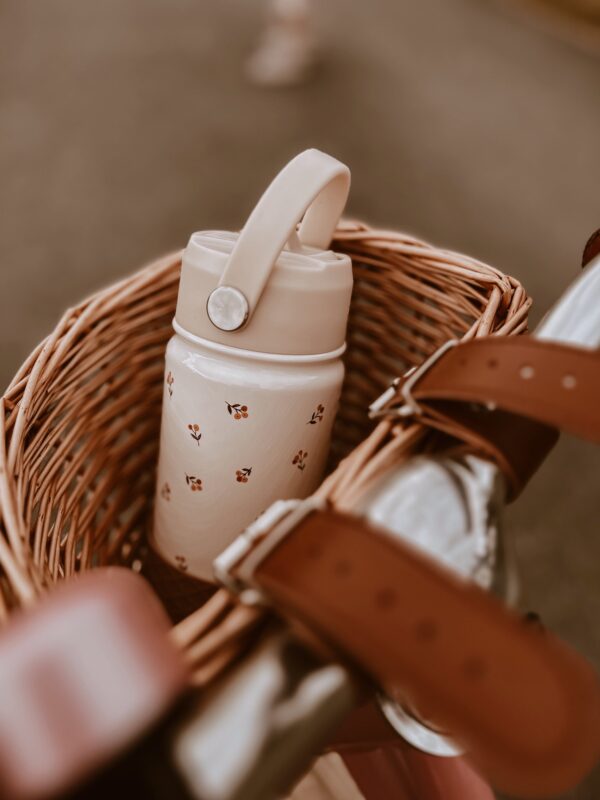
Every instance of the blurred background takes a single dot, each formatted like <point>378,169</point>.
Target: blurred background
<point>475,124</point>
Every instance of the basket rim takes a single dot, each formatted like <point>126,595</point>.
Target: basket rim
<point>498,303</point>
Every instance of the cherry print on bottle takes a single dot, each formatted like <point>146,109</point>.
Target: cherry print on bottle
<point>317,416</point>
<point>194,430</point>
<point>242,475</point>
<point>259,378</point>
<point>193,482</point>
<point>165,492</point>
<point>237,410</point>
<point>300,459</point>
<point>181,562</point>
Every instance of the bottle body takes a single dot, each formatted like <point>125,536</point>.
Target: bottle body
<point>239,431</point>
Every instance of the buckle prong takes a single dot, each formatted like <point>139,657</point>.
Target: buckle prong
<point>409,407</point>
<point>254,544</point>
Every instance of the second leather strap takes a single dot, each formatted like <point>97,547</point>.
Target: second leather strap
<point>525,705</point>
<point>508,397</point>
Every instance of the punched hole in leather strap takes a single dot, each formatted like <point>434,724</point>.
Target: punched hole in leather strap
<point>526,707</point>
<point>509,396</point>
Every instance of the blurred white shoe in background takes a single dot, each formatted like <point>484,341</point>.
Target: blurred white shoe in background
<point>286,53</point>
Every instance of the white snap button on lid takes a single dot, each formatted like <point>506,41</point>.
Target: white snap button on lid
<point>227,308</point>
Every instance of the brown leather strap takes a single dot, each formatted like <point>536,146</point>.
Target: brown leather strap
<point>526,706</point>
<point>516,444</point>
<point>508,396</point>
<point>591,249</point>
<point>552,383</point>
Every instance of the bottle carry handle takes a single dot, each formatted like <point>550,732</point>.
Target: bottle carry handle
<point>314,186</point>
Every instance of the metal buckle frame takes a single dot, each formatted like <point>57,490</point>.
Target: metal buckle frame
<point>259,539</point>
<point>410,407</point>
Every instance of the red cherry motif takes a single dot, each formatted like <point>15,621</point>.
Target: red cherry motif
<point>170,382</point>
<point>317,415</point>
<point>298,459</point>
<point>194,483</point>
<point>194,430</point>
<point>236,410</point>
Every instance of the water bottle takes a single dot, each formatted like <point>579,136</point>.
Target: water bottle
<point>253,373</point>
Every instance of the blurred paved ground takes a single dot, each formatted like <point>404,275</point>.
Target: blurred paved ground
<point>126,124</point>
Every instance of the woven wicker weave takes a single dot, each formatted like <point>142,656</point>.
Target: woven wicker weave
<point>79,422</point>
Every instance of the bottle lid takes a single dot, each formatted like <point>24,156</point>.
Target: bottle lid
<point>271,288</point>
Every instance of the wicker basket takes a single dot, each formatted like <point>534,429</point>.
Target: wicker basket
<point>79,422</point>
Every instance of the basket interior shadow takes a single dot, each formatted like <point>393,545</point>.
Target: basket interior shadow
<point>80,420</point>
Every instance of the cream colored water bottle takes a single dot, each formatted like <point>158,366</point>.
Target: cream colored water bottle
<point>253,373</point>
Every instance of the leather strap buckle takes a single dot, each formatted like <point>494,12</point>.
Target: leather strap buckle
<point>409,408</point>
<point>254,544</point>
